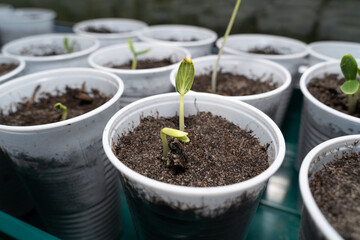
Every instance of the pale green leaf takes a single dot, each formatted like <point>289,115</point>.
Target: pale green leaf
<point>182,136</point>
<point>349,67</point>
<point>350,87</point>
<point>131,46</point>
<point>143,52</point>
<point>185,76</point>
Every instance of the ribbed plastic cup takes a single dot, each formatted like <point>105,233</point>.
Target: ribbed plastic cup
<point>165,211</point>
<point>126,28</point>
<point>83,47</point>
<point>313,223</point>
<point>139,83</point>
<point>198,41</point>
<point>62,165</point>
<point>318,121</point>
<point>273,103</point>
<point>15,72</point>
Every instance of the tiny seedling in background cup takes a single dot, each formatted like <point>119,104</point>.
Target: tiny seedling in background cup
<point>69,47</point>
<point>134,61</point>
<point>351,86</point>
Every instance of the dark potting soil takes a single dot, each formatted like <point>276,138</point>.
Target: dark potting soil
<point>265,50</point>
<point>173,39</point>
<point>42,111</point>
<point>7,67</point>
<point>219,152</point>
<point>327,90</point>
<point>101,29</point>
<point>43,51</point>
<point>229,84</point>
<point>142,64</point>
<point>336,190</point>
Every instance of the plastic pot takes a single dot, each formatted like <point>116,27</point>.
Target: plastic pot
<point>24,22</point>
<point>15,72</point>
<point>294,51</point>
<point>318,121</point>
<point>83,47</point>
<point>164,211</point>
<point>199,41</point>
<point>313,223</point>
<point>139,83</point>
<point>273,103</point>
<point>331,51</point>
<point>62,165</point>
<point>126,28</point>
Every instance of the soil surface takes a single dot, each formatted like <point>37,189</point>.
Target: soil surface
<point>265,50</point>
<point>42,111</point>
<point>173,39</point>
<point>336,190</point>
<point>101,29</point>
<point>219,152</point>
<point>7,67</point>
<point>43,51</point>
<point>229,84</point>
<point>327,90</point>
<point>142,64</point>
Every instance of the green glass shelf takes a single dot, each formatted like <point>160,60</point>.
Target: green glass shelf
<point>278,215</point>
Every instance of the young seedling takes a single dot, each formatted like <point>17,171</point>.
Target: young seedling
<point>69,48</point>
<point>134,61</point>
<point>184,80</point>
<point>351,86</point>
<point>182,136</point>
<point>63,108</point>
<point>227,32</point>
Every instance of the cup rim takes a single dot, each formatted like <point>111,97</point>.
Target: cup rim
<point>95,65</point>
<point>241,59</point>
<point>312,48</point>
<point>309,201</point>
<point>194,191</point>
<point>15,71</point>
<point>33,39</point>
<point>47,75</point>
<point>296,55</point>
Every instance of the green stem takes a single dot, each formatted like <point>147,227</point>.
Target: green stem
<point>165,144</point>
<point>227,32</point>
<point>134,62</point>
<point>181,113</point>
<point>352,101</point>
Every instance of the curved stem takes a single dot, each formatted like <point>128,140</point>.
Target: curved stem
<point>165,144</point>
<point>227,32</point>
<point>181,113</point>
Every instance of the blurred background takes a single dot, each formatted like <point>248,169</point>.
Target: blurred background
<point>306,20</point>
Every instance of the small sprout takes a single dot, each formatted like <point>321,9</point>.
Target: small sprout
<point>227,32</point>
<point>183,82</point>
<point>134,61</point>
<point>69,48</point>
<point>182,136</point>
<point>63,108</point>
<point>351,86</point>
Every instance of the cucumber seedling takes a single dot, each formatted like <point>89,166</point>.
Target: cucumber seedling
<point>63,108</point>
<point>135,54</point>
<point>182,136</point>
<point>227,32</point>
<point>351,86</point>
<point>68,47</point>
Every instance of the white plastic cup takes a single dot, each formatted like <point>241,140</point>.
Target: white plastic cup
<point>313,223</point>
<point>78,58</point>
<point>318,121</point>
<point>24,22</point>
<point>182,34</point>
<point>62,165</point>
<point>162,210</point>
<point>127,28</point>
<point>331,51</point>
<point>273,103</point>
<point>15,72</point>
<point>139,83</point>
